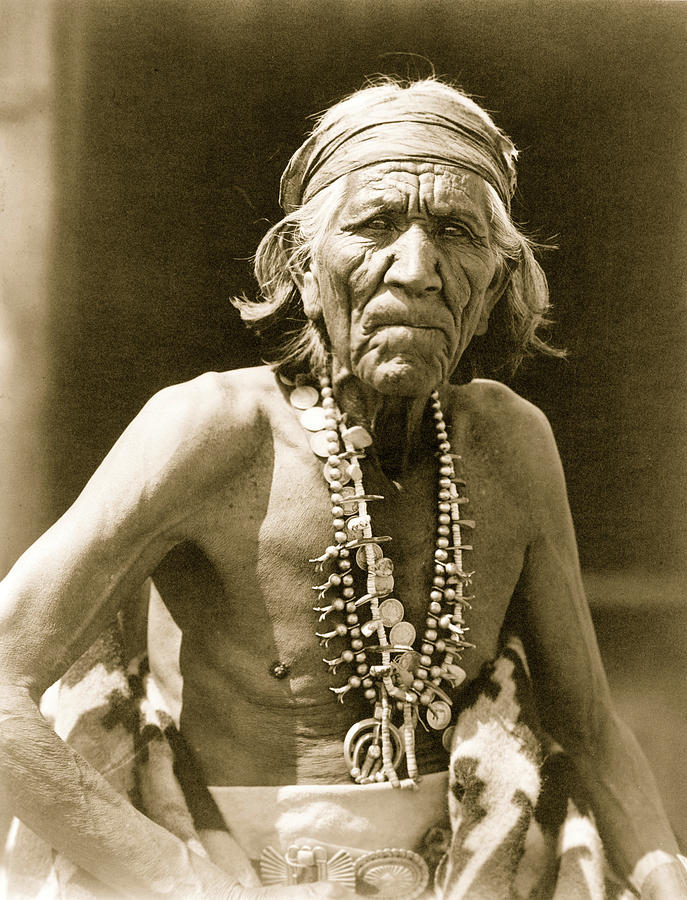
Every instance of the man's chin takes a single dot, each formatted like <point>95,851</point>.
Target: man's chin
<point>401,376</point>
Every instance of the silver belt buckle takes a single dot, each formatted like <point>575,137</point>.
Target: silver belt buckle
<point>304,864</point>
<point>388,874</point>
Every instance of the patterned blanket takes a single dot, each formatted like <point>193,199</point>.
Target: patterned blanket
<point>520,829</point>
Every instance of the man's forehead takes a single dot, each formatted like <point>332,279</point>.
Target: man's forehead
<point>441,188</point>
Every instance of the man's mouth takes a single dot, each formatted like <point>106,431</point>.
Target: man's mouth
<point>423,340</point>
<point>378,325</point>
<point>386,312</point>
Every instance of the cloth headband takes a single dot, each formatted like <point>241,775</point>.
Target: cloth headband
<point>423,135</point>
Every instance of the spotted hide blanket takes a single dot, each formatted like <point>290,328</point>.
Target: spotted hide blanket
<point>519,826</point>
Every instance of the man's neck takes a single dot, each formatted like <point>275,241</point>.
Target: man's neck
<point>396,423</point>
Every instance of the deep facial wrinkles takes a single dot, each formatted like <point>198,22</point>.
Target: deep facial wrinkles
<point>404,273</point>
<point>400,307</point>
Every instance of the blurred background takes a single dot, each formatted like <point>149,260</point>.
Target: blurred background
<point>141,143</point>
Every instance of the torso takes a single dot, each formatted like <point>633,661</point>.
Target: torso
<point>239,588</point>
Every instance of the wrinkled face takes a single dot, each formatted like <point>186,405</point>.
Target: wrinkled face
<point>405,275</point>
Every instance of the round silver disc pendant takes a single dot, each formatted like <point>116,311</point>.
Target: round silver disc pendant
<point>384,566</point>
<point>303,397</point>
<point>402,633</point>
<point>438,715</point>
<point>409,661</point>
<point>361,555</point>
<point>391,612</point>
<point>314,418</point>
<point>319,444</point>
<point>447,737</point>
<point>384,584</point>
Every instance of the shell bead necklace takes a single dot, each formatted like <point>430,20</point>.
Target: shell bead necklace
<point>400,681</point>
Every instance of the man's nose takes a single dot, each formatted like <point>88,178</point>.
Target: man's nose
<point>415,263</point>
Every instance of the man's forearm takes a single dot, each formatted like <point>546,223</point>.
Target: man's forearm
<point>65,801</point>
<point>627,806</point>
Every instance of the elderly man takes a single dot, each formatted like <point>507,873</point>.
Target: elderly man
<point>426,509</point>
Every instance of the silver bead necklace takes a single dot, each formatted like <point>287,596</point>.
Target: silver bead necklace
<point>401,682</point>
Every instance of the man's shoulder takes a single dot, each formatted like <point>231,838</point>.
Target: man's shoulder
<point>508,427</point>
<point>189,440</point>
<point>231,400</point>
<point>217,416</point>
<point>499,406</point>
<point>509,440</point>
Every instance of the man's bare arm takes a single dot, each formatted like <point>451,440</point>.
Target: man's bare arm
<point>56,600</point>
<point>571,686</point>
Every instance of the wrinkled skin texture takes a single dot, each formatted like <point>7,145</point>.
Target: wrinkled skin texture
<point>405,275</point>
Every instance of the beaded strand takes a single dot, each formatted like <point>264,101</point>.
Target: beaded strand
<point>401,678</point>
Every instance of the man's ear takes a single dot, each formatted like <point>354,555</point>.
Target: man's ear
<point>493,294</point>
<point>310,295</point>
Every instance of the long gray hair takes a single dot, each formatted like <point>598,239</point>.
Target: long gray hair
<point>296,344</point>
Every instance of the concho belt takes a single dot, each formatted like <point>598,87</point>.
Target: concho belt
<point>388,874</point>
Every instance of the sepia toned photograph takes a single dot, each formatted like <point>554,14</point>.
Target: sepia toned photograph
<point>343,349</point>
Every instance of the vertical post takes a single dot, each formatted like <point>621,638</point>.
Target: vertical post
<point>26,234</point>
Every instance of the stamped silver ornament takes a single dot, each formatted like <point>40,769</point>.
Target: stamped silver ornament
<point>303,397</point>
<point>314,418</point>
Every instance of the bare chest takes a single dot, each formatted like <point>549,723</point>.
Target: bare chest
<point>252,593</point>
<point>254,615</point>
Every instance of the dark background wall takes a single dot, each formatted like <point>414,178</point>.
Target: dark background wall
<point>173,122</point>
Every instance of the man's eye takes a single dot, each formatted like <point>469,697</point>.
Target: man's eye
<point>378,224</point>
<point>454,229</point>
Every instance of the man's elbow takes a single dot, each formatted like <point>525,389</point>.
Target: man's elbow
<point>19,714</point>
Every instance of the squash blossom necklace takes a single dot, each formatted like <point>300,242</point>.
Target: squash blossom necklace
<point>401,682</point>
